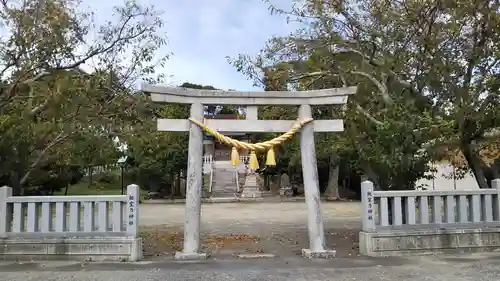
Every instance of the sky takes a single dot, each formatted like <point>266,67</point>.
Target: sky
<point>202,33</point>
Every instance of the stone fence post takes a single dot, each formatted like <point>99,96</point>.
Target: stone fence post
<point>132,218</point>
<point>368,203</point>
<point>495,184</point>
<point>5,192</point>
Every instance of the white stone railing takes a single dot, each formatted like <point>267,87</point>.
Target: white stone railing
<point>396,223</point>
<point>70,227</point>
<point>37,216</point>
<point>209,159</point>
<point>386,210</point>
<point>244,158</point>
<point>237,177</point>
<point>211,180</point>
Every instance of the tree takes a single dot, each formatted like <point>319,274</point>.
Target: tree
<point>211,109</point>
<point>90,150</point>
<point>47,102</point>
<point>329,145</point>
<point>426,73</point>
<point>160,157</point>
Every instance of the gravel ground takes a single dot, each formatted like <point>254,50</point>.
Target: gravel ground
<point>249,228</point>
<point>228,213</point>
<point>483,267</point>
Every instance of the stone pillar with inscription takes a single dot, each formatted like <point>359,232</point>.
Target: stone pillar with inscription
<point>285,186</point>
<point>368,223</point>
<point>132,222</point>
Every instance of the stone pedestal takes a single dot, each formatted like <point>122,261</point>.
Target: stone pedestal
<point>286,191</point>
<point>324,254</point>
<point>251,187</point>
<point>181,256</point>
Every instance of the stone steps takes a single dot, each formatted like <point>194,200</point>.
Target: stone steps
<point>224,181</point>
<point>223,195</point>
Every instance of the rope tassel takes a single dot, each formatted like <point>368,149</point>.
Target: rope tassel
<point>254,163</point>
<point>271,158</point>
<point>235,156</point>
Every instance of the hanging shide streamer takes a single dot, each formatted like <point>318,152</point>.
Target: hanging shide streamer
<point>235,157</point>
<point>254,162</point>
<point>271,158</point>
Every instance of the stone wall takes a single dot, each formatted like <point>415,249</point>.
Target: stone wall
<point>430,241</point>
<point>85,249</point>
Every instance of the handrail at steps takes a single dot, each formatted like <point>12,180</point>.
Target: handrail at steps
<point>211,178</point>
<point>237,179</point>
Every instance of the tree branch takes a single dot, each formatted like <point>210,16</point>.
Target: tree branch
<point>91,54</point>
<point>59,138</point>
<point>381,87</point>
<point>374,63</point>
<point>368,115</point>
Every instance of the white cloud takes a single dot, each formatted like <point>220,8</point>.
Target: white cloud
<point>202,33</point>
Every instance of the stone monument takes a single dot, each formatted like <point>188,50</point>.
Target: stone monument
<point>196,125</point>
<point>285,186</point>
<point>251,188</point>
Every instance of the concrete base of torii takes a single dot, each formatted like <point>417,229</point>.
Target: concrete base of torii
<point>181,256</point>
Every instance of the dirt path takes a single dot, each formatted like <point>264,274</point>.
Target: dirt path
<point>238,228</point>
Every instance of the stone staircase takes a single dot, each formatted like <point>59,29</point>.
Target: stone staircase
<point>224,181</point>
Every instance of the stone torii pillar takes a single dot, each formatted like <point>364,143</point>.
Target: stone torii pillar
<point>303,99</point>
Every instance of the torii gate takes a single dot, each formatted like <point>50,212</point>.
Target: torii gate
<point>303,99</point>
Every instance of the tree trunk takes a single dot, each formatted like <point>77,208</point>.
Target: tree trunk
<point>476,164</point>
<point>176,187</point>
<point>266,182</point>
<point>90,175</point>
<point>332,188</point>
<point>495,169</point>
<point>16,185</point>
<point>173,186</point>
<point>370,175</point>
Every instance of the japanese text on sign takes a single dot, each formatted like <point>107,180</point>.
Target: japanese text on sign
<point>369,201</point>
<point>131,210</point>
